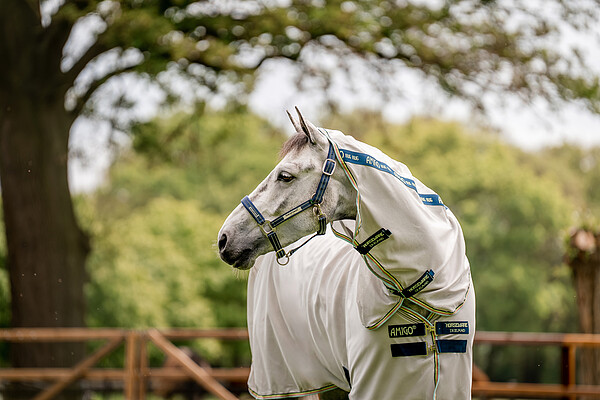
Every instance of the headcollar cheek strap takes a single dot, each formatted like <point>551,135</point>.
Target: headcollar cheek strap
<point>274,239</point>
<point>321,219</point>
<point>327,171</point>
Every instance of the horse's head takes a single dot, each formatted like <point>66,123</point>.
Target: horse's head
<point>292,183</point>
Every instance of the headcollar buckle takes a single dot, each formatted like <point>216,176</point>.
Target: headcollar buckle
<point>267,228</point>
<point>328,167</point>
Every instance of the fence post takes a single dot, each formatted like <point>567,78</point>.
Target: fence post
<point>143,356</point>
<point>568,364</point>
<point>132,364</point>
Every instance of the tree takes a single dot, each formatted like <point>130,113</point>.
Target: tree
<point>467,47</point>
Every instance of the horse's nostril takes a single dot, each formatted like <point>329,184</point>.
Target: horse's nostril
<point>222,242</point>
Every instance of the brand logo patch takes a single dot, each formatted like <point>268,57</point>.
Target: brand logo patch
<point>373,240</point>
<point>407,330</point>
<point>452,327</point>
<point>420,284</point>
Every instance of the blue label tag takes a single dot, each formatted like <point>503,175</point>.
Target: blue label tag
<point>452,327</point>
<point>409,349</point>
<point>451,346</point>
<point>369,161</point>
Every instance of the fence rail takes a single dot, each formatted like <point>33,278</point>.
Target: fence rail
<point>136,374</point>
<point>568,389</point>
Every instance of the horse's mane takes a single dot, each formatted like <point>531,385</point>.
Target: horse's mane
<point>295,142</point>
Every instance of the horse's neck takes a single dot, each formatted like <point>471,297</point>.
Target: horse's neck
<point>346,203</point>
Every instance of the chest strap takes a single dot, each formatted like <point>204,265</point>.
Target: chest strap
<point>416,287</point>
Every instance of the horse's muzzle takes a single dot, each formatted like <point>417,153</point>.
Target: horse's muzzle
<point>225,251</point>
<point>237,258</point>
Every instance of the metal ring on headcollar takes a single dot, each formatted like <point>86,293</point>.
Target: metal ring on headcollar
<point>286,257</point>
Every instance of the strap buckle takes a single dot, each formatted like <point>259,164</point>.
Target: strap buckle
<point>266,228</point>
<point>328,167</point>
<point>321,219</point>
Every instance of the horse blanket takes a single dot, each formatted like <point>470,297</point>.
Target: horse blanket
<point>408,238</point>
<point>400,271</point>
<point>307,334</point>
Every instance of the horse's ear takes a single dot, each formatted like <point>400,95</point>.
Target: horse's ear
<point>296,124</point>
<point>307,127</point>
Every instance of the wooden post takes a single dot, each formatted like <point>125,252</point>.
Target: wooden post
<point>583,256</point>
<point>132,366</point>
<point>568,363</point>
<point>143,366</point>
<point>195,372</point>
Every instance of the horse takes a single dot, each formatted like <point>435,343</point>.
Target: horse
<point>370,294</point>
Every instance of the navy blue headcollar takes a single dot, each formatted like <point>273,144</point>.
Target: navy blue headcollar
<point>268,227</point>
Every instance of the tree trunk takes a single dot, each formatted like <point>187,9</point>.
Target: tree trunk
<point>46,248</point>
<point>584,259</point>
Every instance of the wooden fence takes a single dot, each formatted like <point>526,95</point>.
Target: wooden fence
<point>567,389</point>
<point>136,374</point>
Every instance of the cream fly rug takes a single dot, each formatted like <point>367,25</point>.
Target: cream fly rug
<point>408,238</point>
<point>307,336</point>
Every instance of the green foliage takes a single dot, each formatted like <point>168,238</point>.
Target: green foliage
<point>468,48</point>
<point>215,160</point>
<point>578,171</point>
<point>162,271</point>
<point>157,267</point>
<point>4,293</point>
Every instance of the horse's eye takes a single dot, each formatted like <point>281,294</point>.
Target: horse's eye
<point>285,176</point>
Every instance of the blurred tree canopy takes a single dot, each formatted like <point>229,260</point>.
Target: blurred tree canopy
<point>469,48</point>
<point>58,54</point>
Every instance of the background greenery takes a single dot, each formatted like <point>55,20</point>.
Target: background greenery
<point>154,225</point>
